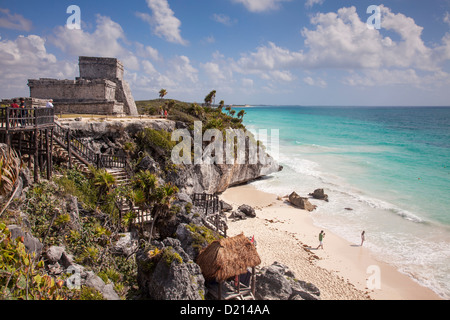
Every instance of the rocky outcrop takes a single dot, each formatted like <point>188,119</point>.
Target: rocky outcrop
<point>32,244</point>
<point>61,262</point>
<point>215,178</point>
<point>277,282</point>
<point>247,210</point>
<point>107,136</point>
<point>226,207</point>
<point>319,194</point>
<point>114,128</point>
<point>243,212</point>
<point>300,202</point>
<point>168,273</point>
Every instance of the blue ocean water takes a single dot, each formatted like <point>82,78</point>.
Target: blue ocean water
<point>390,165</point>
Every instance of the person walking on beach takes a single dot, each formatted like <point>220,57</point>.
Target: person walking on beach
<point>321,236</point>
<point>363,237</point>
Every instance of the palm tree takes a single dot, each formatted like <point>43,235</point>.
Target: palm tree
<point>209,99</point>
<point>241,114</point>
<point>104,182</point>
<point>164,195</point>
<point>10,165</point>
<point>162,93</point>
<point>228,108</point>
<point>221,105</point>
<point>148,194</point>
<point>144,186</point>
<point>232,113</point>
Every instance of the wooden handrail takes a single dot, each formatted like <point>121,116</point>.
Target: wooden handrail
<point>100,161</point>
<point>26,118</point>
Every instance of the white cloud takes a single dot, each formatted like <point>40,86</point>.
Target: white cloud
<point>269,58</point>
<point>315,82</point>
<point>14,21</point>
<point>398,77</point>
<point>279,75</point>
<point>106,41</point>
<point>447,18</point>
<point>213,71</point>
<point>209,39</point>
<point>342,41</point>
<point>27,58</point>
<point>147,52</point>
<point>223,19</point>
<point>163,21</point>
<point>247,83</point>
<point>181,68</point>
<point>311,3</point>
<point>261,5</point>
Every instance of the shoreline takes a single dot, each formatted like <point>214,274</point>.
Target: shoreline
<point>342,270</point>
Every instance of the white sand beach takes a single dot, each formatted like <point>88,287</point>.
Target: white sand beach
<point>287,234</point>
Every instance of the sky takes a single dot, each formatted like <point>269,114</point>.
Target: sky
<point>257,52</point>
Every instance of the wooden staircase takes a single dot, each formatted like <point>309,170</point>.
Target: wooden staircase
<point>80,156</point>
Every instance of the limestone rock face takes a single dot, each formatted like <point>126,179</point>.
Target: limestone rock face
<point>105,136</point>
<point>216,178</point>
<point>170,274</point>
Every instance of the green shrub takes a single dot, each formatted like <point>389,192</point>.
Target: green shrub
<point>22,276</point>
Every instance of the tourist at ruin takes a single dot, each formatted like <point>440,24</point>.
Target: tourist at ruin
<point>50,103</point>
<point>14,114</point>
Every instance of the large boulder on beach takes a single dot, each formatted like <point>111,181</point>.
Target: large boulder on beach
<point>319,194</point>
<point>277,282</point>
<point>226,207</point>
<point>300,202</point>
<point>247,210</point>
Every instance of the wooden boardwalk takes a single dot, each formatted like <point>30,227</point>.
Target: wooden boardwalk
<point>30,132</point>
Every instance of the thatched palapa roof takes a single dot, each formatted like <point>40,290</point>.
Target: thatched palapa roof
<point>227,258</point>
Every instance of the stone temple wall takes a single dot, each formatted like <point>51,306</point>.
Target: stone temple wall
<point>100,89</point>
<point>73,89</point>
<point>100,68</point>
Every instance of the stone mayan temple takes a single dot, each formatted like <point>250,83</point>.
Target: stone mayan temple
<point>100,89</point>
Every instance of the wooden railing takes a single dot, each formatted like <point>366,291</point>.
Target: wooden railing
<point>89,156</point>
<point>212,208</point>
<point>208,202</point>
<point>27,118</point>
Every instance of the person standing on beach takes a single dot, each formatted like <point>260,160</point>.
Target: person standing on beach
<point>321,236</point>
<point>363,237</point>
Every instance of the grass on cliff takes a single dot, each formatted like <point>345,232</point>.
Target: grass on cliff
<point>211,117</point>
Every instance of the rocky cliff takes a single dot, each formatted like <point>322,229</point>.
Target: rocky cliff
<point>108,136</point>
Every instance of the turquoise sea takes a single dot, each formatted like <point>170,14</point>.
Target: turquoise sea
<point>390,165</point>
